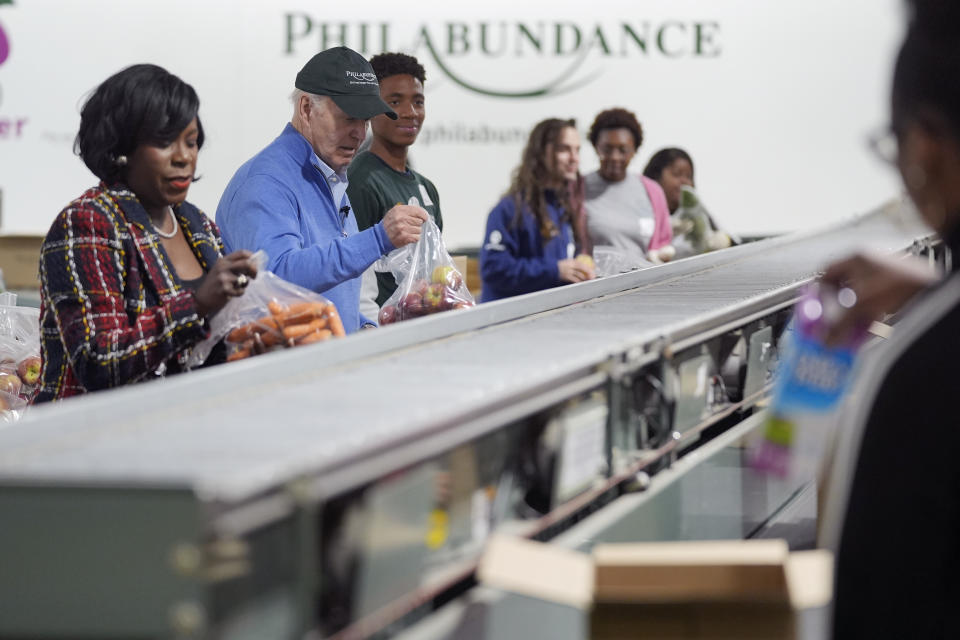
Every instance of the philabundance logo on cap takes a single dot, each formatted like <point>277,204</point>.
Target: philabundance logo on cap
<point>361,77</point>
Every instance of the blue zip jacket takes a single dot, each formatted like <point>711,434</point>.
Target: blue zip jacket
<point>514,258</point>
<point>283,201</point>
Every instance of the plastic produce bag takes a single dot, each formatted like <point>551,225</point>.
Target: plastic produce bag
<point>428,280</point>
<point>609,261</point>
<point>19,356</point>
<point>271,314</point>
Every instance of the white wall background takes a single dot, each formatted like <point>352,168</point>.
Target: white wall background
<point>776,122</point>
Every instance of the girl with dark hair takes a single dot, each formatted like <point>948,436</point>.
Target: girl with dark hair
<point>672,168</point>
<point>529,243</point>
<point>626,212</point>
<point>130,272</point>
<point>893,502</point>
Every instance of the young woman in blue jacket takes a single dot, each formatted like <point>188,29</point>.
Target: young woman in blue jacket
<point>529,243</point>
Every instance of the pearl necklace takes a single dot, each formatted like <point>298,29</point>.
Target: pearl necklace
<point>169,234</point>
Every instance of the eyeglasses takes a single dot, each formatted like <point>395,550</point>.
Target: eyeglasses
<point>884,145</point>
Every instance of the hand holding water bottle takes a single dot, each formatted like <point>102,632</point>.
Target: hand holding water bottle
<point>882,284</point>
<point>811,379</point>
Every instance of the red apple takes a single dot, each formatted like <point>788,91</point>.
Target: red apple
<point>29,370</point>
<point>411,306</point>
<point>450,298</point>
<point>433,298</point>
<point>419,286</point>
<point>388,315</point>
<point>10,383</point>
<point>448,276</point>
<point>4,402</point>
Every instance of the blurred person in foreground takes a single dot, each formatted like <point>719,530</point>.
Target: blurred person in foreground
<point>892,512</point>
<point>130,271</point>
<point>382,177</point>
<point>290,199</point>
<point>627,212</point>
<point>529,243</point>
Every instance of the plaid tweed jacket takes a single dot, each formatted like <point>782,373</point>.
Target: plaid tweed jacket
<point>113,310</point>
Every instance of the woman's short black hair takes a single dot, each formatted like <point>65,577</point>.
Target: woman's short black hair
<point>396,64</point>
<point>141,104</point>
<point>663,159</point>
<point>924,78</point>
<point>616,118</point>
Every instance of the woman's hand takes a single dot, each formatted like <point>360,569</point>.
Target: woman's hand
<point>883,284</point>
<point>573,270</point>
<point>227,279</point>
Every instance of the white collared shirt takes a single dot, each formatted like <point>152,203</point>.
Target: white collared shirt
<point>336,181</point>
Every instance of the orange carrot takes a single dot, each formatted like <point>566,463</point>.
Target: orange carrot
<point>239,334</point>
<point>299,330</point>
<point>317,336</point>
<point>266,323</point>
<point>276,308</point>
<point>300,313</point>
<point>307,306</point>
<point>239,354</point>
<point>271,338</point>
<point>336,324</point>
<point>247,331</point>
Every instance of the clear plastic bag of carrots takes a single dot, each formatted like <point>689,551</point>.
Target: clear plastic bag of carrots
<point>272,314</point>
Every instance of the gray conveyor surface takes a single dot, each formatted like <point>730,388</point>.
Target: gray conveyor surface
<point>231,432</point>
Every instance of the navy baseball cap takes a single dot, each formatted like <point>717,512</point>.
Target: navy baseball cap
<point>349,80</point>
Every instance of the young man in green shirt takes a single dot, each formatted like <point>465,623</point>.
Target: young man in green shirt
<point>381,177</point>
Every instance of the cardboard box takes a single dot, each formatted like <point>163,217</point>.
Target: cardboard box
<point>20,260</point>
<point>469,268</point>
<point>667,590</point>
<point>460,262</point>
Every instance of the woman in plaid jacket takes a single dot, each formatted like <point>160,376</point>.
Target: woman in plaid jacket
<point>130,271</point>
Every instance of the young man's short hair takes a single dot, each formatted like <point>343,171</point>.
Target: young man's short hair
<point>395,64</point>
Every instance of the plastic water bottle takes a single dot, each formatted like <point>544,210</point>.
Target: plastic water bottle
<point>810,383</point>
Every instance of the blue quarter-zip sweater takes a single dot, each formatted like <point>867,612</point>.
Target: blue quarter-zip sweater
<point>515,258</point>
<point>288,202</point>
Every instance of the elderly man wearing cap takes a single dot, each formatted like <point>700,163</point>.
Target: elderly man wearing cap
<point>290,199</point>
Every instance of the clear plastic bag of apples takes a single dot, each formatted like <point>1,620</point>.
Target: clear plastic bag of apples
<point>19,357</point>
<point>428,281</point>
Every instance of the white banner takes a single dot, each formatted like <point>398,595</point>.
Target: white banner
<point>773,100</point>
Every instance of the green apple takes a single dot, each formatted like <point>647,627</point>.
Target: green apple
<point>447,275</point>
